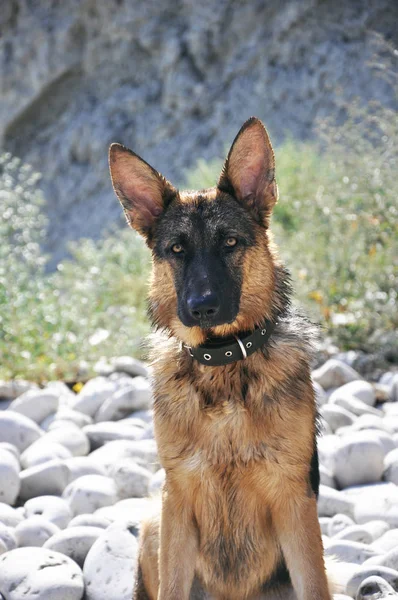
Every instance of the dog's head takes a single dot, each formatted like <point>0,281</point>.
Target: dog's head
<point>212,266</point>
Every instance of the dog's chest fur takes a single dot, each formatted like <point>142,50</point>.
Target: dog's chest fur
<point>228,439</point>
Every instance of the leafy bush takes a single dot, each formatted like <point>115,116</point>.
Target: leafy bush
<point>335,223</point>
<point>93,306</point>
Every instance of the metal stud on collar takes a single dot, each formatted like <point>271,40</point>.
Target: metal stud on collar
<point>207,356</point>
<point>228,353</point>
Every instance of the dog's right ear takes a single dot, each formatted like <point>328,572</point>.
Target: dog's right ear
<point>143,192</point>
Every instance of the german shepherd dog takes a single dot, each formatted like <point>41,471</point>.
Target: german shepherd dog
<point>234,408</point>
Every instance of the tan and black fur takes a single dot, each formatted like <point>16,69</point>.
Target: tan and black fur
<point>238,442</point>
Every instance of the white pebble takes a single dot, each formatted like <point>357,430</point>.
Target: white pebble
<point>358,459</point>
<point>74,542</point>
<point>36,404</point>
<point>34,531</point>
<point>9,477</point>
<point>39,575</point>
<point>18,430</point>
<point>54,509</point>
<point>90,492</point>
<point>49,478</point>
<point>43,451</point>
<point>132,480</point>
<point>109,568</point>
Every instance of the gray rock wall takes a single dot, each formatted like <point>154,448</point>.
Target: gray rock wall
<point>174,80</point>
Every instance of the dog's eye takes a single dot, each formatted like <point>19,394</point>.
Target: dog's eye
<point>177,248</point>
<point>231,241</point>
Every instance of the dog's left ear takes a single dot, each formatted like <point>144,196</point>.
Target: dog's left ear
<point>249,171</point>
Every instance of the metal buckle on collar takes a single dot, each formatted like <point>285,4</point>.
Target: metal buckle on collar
<point>241,346</point>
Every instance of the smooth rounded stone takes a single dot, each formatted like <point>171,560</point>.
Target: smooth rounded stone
<point>53,509</point>
<point>10,448</point>
<point>132,480</point>
<point>386,440</point>
<point>133,509</point>
<point>132,422</point>
<point>74,542</point>
<point>102,433</point>
<point>390,472</point>
<point>34,531</point>
<point>355,406</point>
<point>336,416</point>
<point>43,451</point>
<point>320,396</point>
<point>40,575</point>
<point>390,409</point>
<point>90,521</point>
<point>136,396</point>
<point>394,389</point>
<point>36,404</point>
<point>324,524</point>
<point>47,422</point>
<point>143,415</point>
<point>327,445</point>
<point>358,459</point>
<point>15,387</point>
<point>49,478</point>
<point>389,559</point>
<point>157,481</point>
<point>8,537</point>
<point>368,421</point>
<point>72,437</point>
<point>18,430</point>
<point>376,528</point>
<point>93,394</point>
<point>79,466</point>
<point>149,432</point>
<point>386,542</point>
<point>143,452</point>
<point>393,422</point>
<point>109,569</point>
<point>338,523</point>
<point>9,477</point>
<point>355,533</point>
<point>129,365</point>
<point>390,575</point>
<point>325,541</point>
<point>379,503</point>
<point>74,416</point>
<point>331,502</point>
<point>334,373</point>
<point>3,547</point>
<point>375,588</point>
<point>90,492</point>
<point>349,551</point>
<point>340,572</point>
<point>361,390</point>
<point>9,516</point>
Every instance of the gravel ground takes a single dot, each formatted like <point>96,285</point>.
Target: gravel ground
<point>77,472</point>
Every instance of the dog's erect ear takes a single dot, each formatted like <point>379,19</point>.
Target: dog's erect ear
<point>249,171</point>
<point>143,192</point>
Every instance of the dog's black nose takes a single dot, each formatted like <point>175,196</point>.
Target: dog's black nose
<point>203,307</point>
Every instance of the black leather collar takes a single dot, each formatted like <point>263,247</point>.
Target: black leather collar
<point>224,351</point>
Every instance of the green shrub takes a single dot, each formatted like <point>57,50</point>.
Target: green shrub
<point>93,306</point>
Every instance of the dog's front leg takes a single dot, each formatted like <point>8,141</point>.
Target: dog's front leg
<point>299,534</point>
<point>178,547</point>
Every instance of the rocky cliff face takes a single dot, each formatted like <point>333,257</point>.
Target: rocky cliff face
<point>174,80</point>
